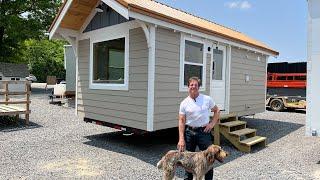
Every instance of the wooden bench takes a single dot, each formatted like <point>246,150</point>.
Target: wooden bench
<point>8,107</point>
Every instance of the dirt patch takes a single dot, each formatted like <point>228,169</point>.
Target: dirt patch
<point>72,168</point>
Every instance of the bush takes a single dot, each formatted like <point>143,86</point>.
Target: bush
<point>44,58</point>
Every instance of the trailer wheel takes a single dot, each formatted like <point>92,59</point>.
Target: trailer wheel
<point>276,105</point>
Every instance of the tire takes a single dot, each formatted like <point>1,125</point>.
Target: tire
<point>276,105</point>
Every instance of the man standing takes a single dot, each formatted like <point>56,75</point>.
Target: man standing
<point>194,125</point>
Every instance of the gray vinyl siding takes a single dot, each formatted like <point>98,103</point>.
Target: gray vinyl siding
<point>167,97</point>
<point>247,97</point>
<point>127,108</point>
<point>108,17</point>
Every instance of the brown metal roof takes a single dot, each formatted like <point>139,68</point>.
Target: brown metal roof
<point>163,12</point>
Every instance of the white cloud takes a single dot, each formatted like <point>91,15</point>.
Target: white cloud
<point>245,5</point>
<point>238,5</point>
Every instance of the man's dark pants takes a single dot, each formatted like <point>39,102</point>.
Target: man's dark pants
<point>194,138</point>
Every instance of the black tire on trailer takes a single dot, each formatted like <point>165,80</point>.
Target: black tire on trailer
<point>276,105</point>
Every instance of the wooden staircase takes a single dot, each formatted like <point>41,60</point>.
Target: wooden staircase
<point>239,135</point>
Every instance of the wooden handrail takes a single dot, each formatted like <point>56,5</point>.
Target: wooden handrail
<point>13,93</point>
<point>14,102</point>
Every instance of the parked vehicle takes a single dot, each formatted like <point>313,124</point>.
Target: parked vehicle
<point>31,78</point>
<point>286,90</point>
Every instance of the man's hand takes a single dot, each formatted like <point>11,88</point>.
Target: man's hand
<point>209,127</point>
<point>215,119</point>
<point>181,145</point>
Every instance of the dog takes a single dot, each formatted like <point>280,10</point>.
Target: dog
<point>197,163</point>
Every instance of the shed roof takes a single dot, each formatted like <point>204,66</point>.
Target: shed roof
<point>14,70</point>
<point>175,16</point>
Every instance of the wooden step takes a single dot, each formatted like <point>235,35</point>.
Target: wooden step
<point>233,123</point>
<point>226,116</point>
<point>253,140</point>
<point>242,132</point>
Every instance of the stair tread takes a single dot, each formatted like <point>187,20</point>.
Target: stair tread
<point>243,131</point>
<point>233,123</point>
<point>253,140</point>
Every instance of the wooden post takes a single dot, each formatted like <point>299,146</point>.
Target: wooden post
<point>6,92</point>
<point>27,104</point>
<point>217,133</point>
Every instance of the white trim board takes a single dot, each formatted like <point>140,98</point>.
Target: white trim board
<point>193,32</point>
<point>228,80</point>
<point>89,18</point>
<point>151,77</point>
<point>117,7</point>
<point>77,75</point>
<point>105,35</point>
<point>102,32</point>
<point>61,16</point>
<point>183,38</point>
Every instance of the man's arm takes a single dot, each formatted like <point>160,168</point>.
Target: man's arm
<point>182,123</point>
<point>216,114</point>
<point>214,120</point>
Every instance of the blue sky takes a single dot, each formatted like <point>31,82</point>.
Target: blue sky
<point>281,24</point>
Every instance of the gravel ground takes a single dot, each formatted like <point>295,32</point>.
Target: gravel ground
<point>59,145</point>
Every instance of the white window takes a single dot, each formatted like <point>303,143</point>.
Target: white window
<point>109,63</point>
<point>192,61</point>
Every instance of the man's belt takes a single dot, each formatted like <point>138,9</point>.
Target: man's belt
<point>195,128</point>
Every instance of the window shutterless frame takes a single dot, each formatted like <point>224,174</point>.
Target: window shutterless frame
<point>105,37</point>
<point>184,38</point>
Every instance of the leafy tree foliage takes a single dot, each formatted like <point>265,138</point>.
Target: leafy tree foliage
<point>21,20</point>
<point>45,58</point>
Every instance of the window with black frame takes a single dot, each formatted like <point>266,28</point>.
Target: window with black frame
<point>193,60</point>
<point>109,61</point>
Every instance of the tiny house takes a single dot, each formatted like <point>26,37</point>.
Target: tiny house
<point>70,67</point>
<point>134,58</point>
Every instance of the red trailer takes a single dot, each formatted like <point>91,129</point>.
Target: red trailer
<point>286,90</point>
<point>287,80</point>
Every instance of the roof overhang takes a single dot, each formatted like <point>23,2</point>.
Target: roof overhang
<point>74,13</point>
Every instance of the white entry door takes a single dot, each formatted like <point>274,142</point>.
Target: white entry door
<point>218,76</point>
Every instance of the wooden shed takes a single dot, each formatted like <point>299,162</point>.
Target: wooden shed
<point>134,57</point>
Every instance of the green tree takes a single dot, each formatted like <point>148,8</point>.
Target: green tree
<point>44,57</point>
<point>21,20</point>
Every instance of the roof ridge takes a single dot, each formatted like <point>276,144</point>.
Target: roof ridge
<point>196,16</point>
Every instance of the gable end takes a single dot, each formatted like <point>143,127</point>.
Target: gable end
<point>108,17</point>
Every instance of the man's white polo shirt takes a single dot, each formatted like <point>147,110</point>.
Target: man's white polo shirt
<point>197,111</point>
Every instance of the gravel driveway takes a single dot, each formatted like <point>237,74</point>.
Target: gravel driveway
<point>59,145</point>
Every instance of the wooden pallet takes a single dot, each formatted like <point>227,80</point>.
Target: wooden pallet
<point>6,107</point>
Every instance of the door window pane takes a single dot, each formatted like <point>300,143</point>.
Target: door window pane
<point>108,61</point>
<point>190,71</point>
<point>193,52</point>
<point>217,67</point>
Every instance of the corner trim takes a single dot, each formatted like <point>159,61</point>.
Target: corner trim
<point>151,77</point>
